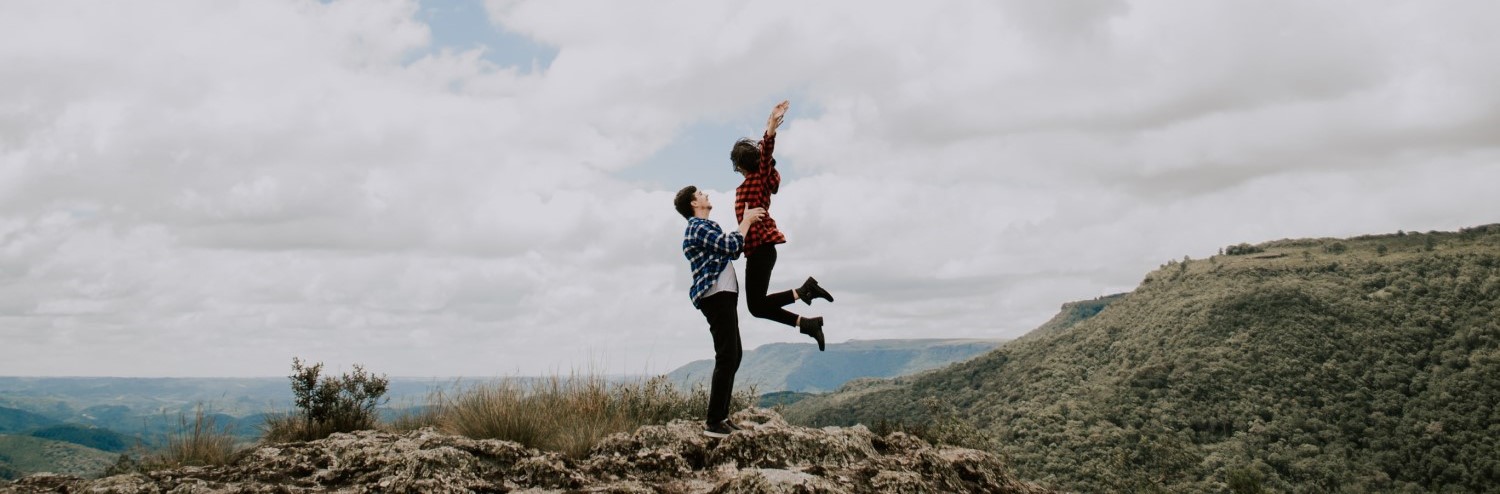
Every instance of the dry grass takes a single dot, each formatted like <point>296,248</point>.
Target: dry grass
<point>196,442</point>
<point>412,419</point>
<point>567,414</point>
<point>571,414</point>
<point>293,427</point>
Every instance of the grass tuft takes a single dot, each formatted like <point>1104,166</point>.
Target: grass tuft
<point>569,415</point>
<point>198,441</point>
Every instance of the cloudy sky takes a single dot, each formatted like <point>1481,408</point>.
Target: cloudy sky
<point>209,188</point>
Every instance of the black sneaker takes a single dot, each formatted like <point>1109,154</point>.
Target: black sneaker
<point>717,431</point>
<point>813,326</point>
<point>730,425</point>
<point>810,290</point>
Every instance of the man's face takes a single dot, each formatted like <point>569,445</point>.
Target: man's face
<point>700,200</point>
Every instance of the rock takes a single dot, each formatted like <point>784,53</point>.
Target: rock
<point>124,484</point>
<point>41,482</point>
<point>655,452</point>
<point>900,443</point>
<point>775,481</point>
<point>769,456</point>
<point>897,483</point>
<point>775,447</point>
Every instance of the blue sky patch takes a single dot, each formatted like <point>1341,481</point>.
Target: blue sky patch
<point>460,25</point>
<point>699,153</point>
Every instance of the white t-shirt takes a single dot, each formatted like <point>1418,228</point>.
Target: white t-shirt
<point>727,282</point>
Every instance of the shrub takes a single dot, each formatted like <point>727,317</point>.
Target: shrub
<point>1335,248</point>
<point>1245,481</point>
<point>327,404</point>
<point>1242,249</point>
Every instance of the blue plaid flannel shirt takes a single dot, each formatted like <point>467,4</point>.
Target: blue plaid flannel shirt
<point>708,250</point>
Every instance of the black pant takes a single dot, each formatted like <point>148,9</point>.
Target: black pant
<point>722,312</point>
<point>758,266</point>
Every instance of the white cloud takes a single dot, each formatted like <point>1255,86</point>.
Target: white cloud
<point>210,189</point>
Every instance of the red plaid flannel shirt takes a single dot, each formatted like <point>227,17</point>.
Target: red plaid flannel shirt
<point>755,192</point>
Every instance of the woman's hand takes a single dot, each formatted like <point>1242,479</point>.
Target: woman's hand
<point>777,114</point>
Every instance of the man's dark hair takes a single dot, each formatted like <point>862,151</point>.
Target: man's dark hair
<point>684,201</point>
<point>745,155</point>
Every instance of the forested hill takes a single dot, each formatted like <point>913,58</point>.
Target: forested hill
<point>1364,364</point>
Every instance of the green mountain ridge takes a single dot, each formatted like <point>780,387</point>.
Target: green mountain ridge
<point>93,437</point>
<point>801,367</point>
<point>14,420</point>
<point>1368,364</point>
<point>25,455</point>
<point>1071,314</point>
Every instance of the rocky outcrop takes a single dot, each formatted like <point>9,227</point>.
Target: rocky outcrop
<point>768,456</point>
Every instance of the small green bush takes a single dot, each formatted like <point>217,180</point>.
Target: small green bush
<point>327,404</point>
<point>1245,481</point>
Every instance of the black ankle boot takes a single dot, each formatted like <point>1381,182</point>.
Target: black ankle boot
<point>812,326</point>
<point>810,290</point>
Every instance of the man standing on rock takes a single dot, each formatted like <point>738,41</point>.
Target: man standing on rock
<point>715,293</point>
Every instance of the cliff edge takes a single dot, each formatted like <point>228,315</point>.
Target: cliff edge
<point>769,456</point>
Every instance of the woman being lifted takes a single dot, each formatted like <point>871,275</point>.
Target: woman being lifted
<point>754,161</point>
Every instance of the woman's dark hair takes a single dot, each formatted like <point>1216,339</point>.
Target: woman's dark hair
<point>745,156</point>
<point>684,201</point>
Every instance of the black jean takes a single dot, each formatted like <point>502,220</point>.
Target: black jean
<point>758,266</point>
<point>722,312</point>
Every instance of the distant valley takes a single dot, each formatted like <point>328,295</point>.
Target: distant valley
<point>81,424</point>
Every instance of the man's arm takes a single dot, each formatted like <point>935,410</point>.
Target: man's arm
<point>751,216</point>
<point>709,236</point>
<point>714,239</point>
